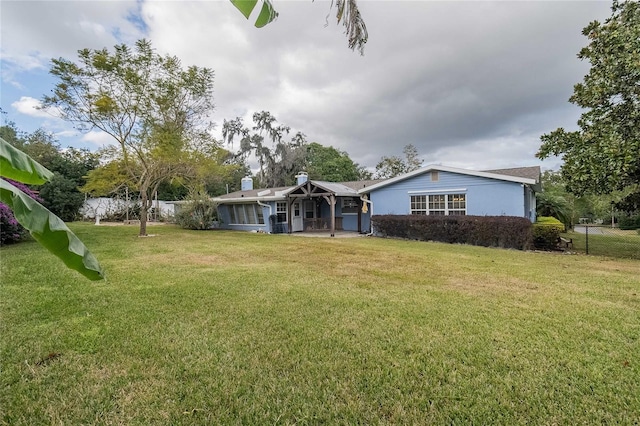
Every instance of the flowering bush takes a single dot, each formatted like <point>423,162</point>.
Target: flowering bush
<point>10,230</point>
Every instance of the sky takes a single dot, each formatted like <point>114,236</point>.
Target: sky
<point>471,84</point>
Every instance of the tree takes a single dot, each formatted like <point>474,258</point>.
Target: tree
<point>278,165</point>
<point>347,12</point>
<point>393,166</point>
<point>329,164</point>
<point>604,155</point>
<point>155,110</point>
<point>45,227</point>
<point>554,201</point>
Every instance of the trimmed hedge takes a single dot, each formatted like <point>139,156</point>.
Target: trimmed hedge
<point>486,231</point>
<point>546,233</point>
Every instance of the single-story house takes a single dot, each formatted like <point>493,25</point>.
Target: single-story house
<point>432,190</point>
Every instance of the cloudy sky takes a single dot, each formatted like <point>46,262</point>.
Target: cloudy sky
<point>471,84</point>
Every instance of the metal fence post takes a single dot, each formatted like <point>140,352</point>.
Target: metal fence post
<point>586,232</point>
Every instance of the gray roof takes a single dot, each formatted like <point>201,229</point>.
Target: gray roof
<point>354,188</point>
<point>256,193</point>
<point>532,172</point>
<point>338,188</point>
<point>361,184</point>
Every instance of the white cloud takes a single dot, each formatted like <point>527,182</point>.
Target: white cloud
<point>470,84</point>
<point>32,107</point>
<point>98,139</point>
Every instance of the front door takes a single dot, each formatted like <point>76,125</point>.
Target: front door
<point>296,221</point>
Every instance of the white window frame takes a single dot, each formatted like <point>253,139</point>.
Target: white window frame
<point>419,205</point>
<point>245,214</point>
<point>441,204</point>
<point>281,208</point>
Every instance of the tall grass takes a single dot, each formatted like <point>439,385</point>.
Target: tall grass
<point>228,328</point>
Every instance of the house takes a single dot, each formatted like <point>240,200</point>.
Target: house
<point>329,206</point>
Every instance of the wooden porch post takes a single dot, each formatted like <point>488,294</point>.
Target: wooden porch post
<point>332,199</point>
<point>359,215</point>
<point>289,204</point>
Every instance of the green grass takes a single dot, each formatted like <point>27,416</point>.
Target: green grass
<point>239,328</point>
<point>625,244</point>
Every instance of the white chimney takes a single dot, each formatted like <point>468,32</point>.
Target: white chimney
<point>302,177</point>
<point>246,184</point>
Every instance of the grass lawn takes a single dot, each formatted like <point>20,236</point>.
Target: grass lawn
<point>612,243</point>
<point>238,328</point>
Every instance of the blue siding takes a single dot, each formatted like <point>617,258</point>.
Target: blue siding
<point>484,196</point>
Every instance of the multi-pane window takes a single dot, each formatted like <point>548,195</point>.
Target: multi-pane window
<point>349,205</point>
<point>439,204</point>
<point>419,204</point>
<point>281,211</point>
<point>246,214</point>
<point>457,204</point>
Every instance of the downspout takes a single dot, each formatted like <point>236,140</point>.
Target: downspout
<point>260,203</point>
<point>364,199</point>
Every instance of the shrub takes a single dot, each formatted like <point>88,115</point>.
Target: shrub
<point>10,230</point>
<point>487,231</point>
<point>629,222</point>
<point>546,233</point>
<point>199,212</point>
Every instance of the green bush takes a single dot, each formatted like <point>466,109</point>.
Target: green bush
<point>629,222</point>
<point>198,212</point>
<point>546,233</point>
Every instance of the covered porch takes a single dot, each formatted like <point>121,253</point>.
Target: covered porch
<point>324,207</point>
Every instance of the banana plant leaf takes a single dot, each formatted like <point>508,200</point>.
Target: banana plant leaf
<point>267,13</point>
<point>16,165</point>
<point>50,231</point>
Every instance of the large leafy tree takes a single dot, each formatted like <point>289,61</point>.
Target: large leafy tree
<point>156,111</point>
<point>332,165</point>
<point>604,155</point>
<point>393,166</point>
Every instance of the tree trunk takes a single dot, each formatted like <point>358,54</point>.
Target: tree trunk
<point>143,213</point>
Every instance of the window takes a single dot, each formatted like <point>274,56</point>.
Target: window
<point>250,213</point>
<point>281,211</point>
<point>439,204</point>
<point>246,214</point>
<point>309,209</point>
<point>419,204</point>
<point>240,214</point>
<point>457,204</point>
<point>349,206</point>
